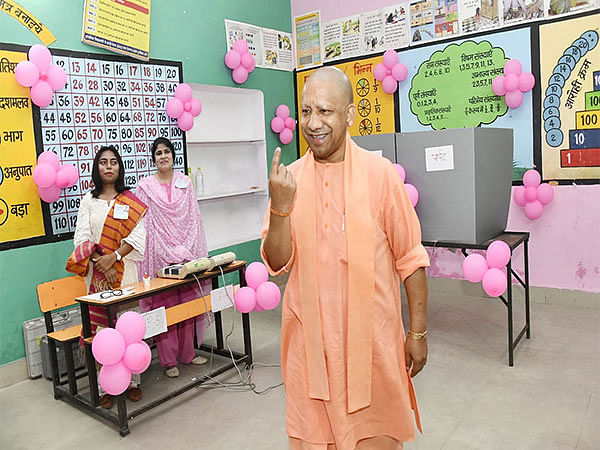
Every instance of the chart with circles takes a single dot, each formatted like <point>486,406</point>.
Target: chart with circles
<point>108,100</point>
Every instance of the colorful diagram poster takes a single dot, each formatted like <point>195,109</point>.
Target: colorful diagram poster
<point>121,26</point>
<point>308,40</point>
<point>421,21</point>
<point>570,72</point>
<point>450,86</point>
<point>478,15</point>
<point>446,18</point>
<point>20,206</point>
<point>375,108</point>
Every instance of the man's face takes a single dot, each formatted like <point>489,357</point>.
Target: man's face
<point>325,117</point>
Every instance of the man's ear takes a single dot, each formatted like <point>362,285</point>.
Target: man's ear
<point>350,114</point>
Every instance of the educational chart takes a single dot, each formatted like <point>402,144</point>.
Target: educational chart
<point>108,100</point>
<point>570,71</point>
<point>450,86</point>
<point>119,26</point>
<point>374,108</point>
<point>20,206</point>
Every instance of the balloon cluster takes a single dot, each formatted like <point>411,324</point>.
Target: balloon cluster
<point>513,83</point>
<point>533,195</point>
<point>240,61</point>
<point>390,72</point>
<point>260,294</point>
<point>283,124</point>
<point>488,269</point>
<point>50,176</point>
<point>413,194</point>
<point>41,75</point>
<point>121,352</point>
<point>184,107</point>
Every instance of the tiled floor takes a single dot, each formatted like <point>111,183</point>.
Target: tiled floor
<point>469,397</point>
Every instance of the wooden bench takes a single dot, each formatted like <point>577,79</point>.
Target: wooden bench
<point>54,295</point>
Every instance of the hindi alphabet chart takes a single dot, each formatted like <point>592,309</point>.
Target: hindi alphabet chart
<point>108,100</point>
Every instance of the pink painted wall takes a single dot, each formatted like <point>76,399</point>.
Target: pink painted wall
<point>564,249</point>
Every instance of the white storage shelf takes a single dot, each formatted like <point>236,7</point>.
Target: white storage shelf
<point>228,143</point>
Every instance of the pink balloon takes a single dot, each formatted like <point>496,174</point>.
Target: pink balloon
<point>41,93</point>
<point>379,72</point>
<point>519,195</point>
<point>114,379</point>
<point>239,75</point>
<point>498,254</point>
<point>286,136</point>
<point>63,177</point>
<point>44,175</point>
<point>108,346</point>
<point>268,295</point>
<point>51,158</point>
<point>233,59</point>
<point>399,72</point>
<point>494,282</point>
<point>514,98</point>
<point>132,327</point>
<point>174,108</point>
<point>400,171</point>
<point>196,107</point>
<point>40,56</point>
<point>413,194</point>
<point>474,267</point>
<point>290,123</point>
<point>256,274</point>
<point>282,111</point>
<point>187,106</point>
<point>498,85</point>
<point>257,308</point>
<point>74,175</point>
<point>545,193</point>
<point>137,357</point>
<point>533,210</point>
<point>49,194</point>
<point>183,92</point>
<point>27,73</point>
<point>56,77</point>
<point>513,67</point>
<point>531,178</point>
<point>511,82</point>
<point>530,194</point>
<point>277,124</point>
<point>389,85</point>
<point>526,82</point>
<point>240,46</point>
<point>248,62</point>
<point>390,58</point>
<point>245,299</point>
<point>185,121</point>
<point>388,72</point>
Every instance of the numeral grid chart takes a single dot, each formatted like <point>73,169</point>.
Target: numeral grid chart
<point>107,102</point>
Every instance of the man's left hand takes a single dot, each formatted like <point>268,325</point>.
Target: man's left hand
<point>416,355</point>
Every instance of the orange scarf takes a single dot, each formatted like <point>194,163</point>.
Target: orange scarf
<point>361,277</point>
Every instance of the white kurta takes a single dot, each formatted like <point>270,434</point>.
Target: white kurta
<point>90,222</point>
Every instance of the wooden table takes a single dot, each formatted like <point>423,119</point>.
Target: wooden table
<point>174,315</point>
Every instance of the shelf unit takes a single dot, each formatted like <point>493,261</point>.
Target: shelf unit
<point>228,143</point>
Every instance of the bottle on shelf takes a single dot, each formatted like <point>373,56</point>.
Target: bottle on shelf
<point>199,183</point>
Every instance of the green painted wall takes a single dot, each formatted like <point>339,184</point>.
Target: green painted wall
<point>190,31</point>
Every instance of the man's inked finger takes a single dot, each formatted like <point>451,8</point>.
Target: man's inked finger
<point>275,161</point>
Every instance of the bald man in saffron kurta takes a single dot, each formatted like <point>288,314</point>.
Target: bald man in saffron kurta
<point>347,235</point>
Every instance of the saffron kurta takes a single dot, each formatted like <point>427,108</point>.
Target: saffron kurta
<point>398,252</point>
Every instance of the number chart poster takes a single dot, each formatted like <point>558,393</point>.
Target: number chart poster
<point>450,86</point>
<point>107,100</point>
<point>570,71</point>
<point>20,206</point>
<point>374,108</point>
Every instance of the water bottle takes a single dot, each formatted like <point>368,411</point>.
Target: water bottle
<point>199,183</point>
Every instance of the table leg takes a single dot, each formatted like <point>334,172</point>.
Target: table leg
<point>122,411</point>
<point>510,314</point>
<point>527,312</point>
<point>89,357</point>
<point>247,340</point>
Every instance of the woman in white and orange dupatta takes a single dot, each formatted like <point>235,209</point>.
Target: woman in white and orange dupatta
<point>110,237</point>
